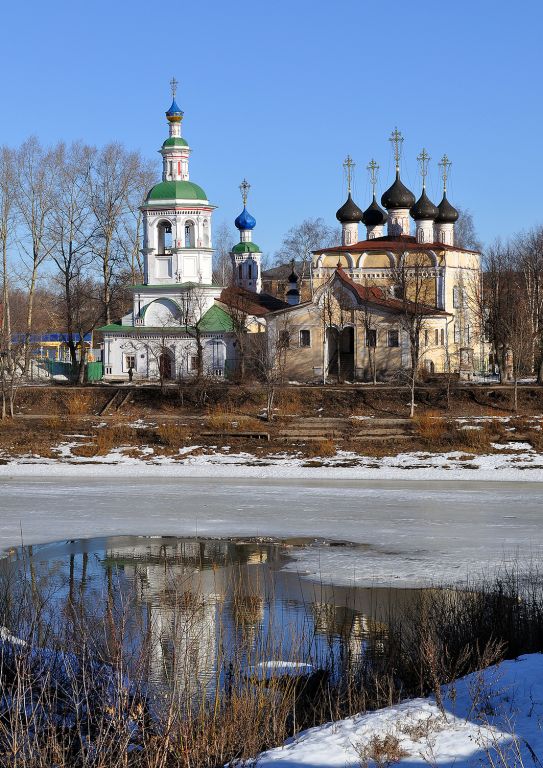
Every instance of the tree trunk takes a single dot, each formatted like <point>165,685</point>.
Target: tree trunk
<point>29,316</point>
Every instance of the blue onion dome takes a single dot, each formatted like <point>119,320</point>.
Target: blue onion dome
<point>245,220</point>
<point>397,196</point>
<point>349,212</point>
<point>447,214</point>
<point>424,209</point>
<point>374,215</point>
<point>175,113</point>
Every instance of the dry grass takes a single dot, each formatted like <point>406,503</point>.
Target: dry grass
<point>320,449</point>
<point>78,402</point>
<point>290,402</point>
<point>430,429</point>
<point>172,435</point>
<point>380,751</point>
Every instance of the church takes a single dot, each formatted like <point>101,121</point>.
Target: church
<point>181,325</point>
<point>359,323</point>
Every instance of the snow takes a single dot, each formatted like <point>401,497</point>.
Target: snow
<point>267,670</point>
<point>499,710</point>
<point>514,461</point>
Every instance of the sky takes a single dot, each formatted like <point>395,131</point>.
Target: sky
<point>280,92</point>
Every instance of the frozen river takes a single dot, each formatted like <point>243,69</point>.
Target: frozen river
<point>411,531</point>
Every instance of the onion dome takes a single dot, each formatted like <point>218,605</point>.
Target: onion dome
<point>424,209</point>
<point>175,113</point>
<point>374,216</point>
<point>397,196</point>
<point>447,214</point>
<point>349,212</point>
<point>245,220</point>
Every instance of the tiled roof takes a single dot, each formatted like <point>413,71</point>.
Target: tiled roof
<point>396,243</point>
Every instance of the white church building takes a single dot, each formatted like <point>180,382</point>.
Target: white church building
<point>175,329</point>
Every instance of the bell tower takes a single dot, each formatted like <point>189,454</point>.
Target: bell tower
<point>246,256</point>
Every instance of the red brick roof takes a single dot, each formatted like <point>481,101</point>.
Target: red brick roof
<point>376,295</point>
<point>397,243</point>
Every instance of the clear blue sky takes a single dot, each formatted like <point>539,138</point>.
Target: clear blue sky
<point>281,91</point>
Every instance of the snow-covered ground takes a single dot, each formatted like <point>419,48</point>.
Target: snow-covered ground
<point>492,718</point>
<point>411,531</point>
<point>515,461</point>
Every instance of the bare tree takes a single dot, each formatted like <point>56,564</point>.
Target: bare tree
<point>7,226</point>
<point>268,359</point>
<point>528,249</point>
<point>34,195</point>
<point>465,235</point>
<point>300,241</point>
<point>222,264</point>
<point>239,309</point>
<point>413,288</point>
<point>114,185</point>
<point>71,231</point>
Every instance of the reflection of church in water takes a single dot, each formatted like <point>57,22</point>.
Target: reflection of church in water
<point>201,599</point>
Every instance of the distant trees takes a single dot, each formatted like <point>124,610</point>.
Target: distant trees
<point>465,235</point>
<point>300,241</point>
<point>68,213</point>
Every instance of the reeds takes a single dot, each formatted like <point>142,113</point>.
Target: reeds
<point>111,682</point>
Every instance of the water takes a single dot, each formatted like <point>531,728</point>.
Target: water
<point>195,606</point>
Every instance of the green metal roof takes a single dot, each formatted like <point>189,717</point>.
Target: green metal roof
<point>176,190</point>
<point>246,248</point>
<point>216,319</point>
<point>175,141</point>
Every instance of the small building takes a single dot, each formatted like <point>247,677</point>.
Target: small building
<point>350,332</point>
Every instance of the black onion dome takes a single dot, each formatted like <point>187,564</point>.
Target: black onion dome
<point>374,215</point>
<point>349,212</point>
<point>424,208</point>
<point>447,214</point>
<point>397,196</point>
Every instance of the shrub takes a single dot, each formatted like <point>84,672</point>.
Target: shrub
<point>383,751</point>
<point>321,449</point>
<point>172,435</point>
<point>430,430</point>
<point>78,402</point>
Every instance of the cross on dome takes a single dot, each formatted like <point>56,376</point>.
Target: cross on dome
<point>173,85</point>
<point>445,165</point>
<point>348,164</point>
<point>373,168</point>
<point>244,189</point>
<point>423,159</point>
<point>396,139</point>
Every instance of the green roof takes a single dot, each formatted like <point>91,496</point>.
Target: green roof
<point>216,319</point>
<point>175,141</point>
<point>176,190</point>
<point>246,248</point>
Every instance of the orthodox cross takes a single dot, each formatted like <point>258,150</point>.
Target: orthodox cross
<point>348,164</point>
<point>396,139</point>
<point>424,158</point>
<point>173,86</point>
<point>373,168</point>
<point>445,165</point>
<point>244,187</point>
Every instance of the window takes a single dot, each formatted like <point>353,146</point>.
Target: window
<point>284,339</point>
<point>371,337</point>
<point>393,338</point>
<point>426,338</point>
<point>443,337</point>
<point>194,362</point>
<point>305,338</point>
<point>129,362</point>
<point>250,271</point>
<point>457,297</point>
<point>436,335</point>
<point>240,272</point>
<point>456,334</point>
<point>468,334</point>
<point>189,235</point>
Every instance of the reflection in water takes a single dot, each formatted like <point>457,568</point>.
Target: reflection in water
<point>195,607</point>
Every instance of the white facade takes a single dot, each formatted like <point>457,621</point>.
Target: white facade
<point>174,330</point>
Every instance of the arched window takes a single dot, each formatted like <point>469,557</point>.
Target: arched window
<point>164,236</point>
<point>250,271</point>
<point>240,272</point>
<point>189,234</point>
